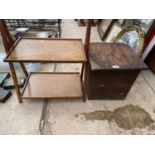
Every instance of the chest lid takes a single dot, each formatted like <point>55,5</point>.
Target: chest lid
<point>114,56</point>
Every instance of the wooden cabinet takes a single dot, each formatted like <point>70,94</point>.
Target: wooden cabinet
<point>112,70</point>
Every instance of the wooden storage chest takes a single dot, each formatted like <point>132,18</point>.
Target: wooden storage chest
<point>112,70</point>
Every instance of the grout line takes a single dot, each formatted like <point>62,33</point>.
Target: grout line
<point>43,116</point>
<point>55,66</point>
<point>44,111</point>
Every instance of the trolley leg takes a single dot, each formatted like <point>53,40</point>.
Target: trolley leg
<point>85,82</point>
<point>24,69</point>
<point>14,77</point>
<point>82,71</point>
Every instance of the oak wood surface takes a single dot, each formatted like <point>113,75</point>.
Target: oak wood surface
<point>49,85</point>
<point>114,56</point>
<point>48,50</point>
<point>53,85</point>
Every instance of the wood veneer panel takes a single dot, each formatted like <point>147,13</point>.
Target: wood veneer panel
<point>53,85</point>
<point>58,50</point>
<point>105,56</point>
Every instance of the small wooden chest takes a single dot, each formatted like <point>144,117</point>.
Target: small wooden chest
<point>112,70</point>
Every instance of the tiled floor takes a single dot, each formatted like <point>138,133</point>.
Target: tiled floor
<point>65,116</point>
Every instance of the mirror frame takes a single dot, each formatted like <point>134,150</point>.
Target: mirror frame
<point>141,35</point>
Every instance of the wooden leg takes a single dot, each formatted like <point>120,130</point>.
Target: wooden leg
<point>85,82</point>
<point>82,70</point>
<point>14,77</point>
<point>24,69</point>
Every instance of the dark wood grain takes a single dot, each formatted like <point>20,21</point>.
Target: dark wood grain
<point>106,82</point>
<point>107,55</point>
<point>86,47</point>
<point>111,85</point>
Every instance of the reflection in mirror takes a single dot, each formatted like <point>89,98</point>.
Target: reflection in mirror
<point>132,36</point>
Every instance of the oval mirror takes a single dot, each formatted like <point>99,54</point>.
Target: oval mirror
<point>133,36</point>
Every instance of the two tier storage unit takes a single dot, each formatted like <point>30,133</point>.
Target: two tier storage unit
<point>49,85</point>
